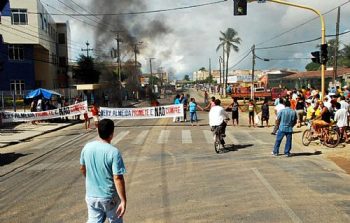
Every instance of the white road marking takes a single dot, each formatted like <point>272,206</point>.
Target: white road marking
<point>231,138</point>
<point>119,137</point>
<point>186,137</point>
<point>208,136</point>
<point>140,139</point>
<point>254,139</point>
<point>275,195</point>
<point>163,137</point>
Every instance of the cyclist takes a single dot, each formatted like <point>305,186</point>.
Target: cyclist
<point>217,117</point>
<point>323,119</point>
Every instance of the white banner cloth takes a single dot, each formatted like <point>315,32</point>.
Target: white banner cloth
<point>76,109</point>
<point>166,111</point>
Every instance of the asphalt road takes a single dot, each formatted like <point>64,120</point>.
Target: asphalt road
<point>174,175</point>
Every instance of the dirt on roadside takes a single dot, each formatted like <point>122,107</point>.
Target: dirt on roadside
<point>341,157</point>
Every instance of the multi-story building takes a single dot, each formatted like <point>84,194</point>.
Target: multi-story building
<point>35,48</point>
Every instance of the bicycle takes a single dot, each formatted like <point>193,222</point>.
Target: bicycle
<point>328,136</point>
<point>219,142</point>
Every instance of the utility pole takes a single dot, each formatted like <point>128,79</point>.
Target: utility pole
<point>223,70</point>
<point>136,51</point>
<point>253,68</point>
<point>210,76</point>
<point>119,40</point>
<point>150,68</point>
<point>87,49</point>
<point>335,67</point>
<point>220,61</point>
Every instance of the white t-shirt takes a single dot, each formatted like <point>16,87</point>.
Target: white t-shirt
<point>341,116</point>
<point>344,104</point>
<point>217,115</point>
<point>278,108</point>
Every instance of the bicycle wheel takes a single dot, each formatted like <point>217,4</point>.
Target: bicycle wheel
<point>307,137</point>
<point>217,144</point>
<point>333,139</point>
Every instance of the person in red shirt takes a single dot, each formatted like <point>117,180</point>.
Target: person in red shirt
<point>95,112</point>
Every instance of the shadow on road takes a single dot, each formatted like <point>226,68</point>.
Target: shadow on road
<point>8,158</point>
<point>307,153</point>
<point>232,147</point>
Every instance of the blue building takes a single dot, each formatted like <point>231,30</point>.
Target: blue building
<point>34,49</point>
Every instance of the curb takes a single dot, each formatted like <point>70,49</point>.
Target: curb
<point>39,134</point>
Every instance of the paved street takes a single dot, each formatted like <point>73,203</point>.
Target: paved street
<point>174,175</point>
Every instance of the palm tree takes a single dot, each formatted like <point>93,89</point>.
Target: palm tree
<point>228,41</point>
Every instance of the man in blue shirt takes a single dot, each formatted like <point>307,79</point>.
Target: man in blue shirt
<point>286,118</point>
<point>103,166</point>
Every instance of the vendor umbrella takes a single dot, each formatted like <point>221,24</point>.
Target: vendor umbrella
<point>42,92</point>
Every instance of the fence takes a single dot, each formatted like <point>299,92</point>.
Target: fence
<point>11,100</point>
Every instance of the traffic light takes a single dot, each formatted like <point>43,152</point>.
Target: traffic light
<point>316,57</point>
<point>324,54</point>
<point>239,7</point>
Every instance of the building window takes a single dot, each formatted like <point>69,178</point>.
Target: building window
<point>19,17</point>
<point>61,38</point>
<point>17,86</point>
<point>16,52</point>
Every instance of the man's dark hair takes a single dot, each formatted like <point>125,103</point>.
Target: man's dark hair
<point>105,128</point>
<point>287,103</point>
<point>217,102</point>
<point>342,98</point>
<point>281,101</point>
<point>337,105</point>
<point>213,98</point>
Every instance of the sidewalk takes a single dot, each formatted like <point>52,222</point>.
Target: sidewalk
<point>14,134</point>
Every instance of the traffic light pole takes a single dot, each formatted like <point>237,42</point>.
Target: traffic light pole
<point>323,35</point>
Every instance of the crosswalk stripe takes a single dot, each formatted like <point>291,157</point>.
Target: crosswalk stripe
<point>208,136</point>
<point>119,137</point>
<point>186,136</point>
<point>231,138</point>
<point>249,138</point>
<point>140,139</point>
<point>163,137</point>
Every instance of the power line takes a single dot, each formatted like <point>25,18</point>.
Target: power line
<point>302,24</point>
<point>300,42</point>
<point>137,13</point>
<point>243,58</point>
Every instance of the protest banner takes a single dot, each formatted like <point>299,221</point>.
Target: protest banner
<point>166,111</point>
<point>76,109</point>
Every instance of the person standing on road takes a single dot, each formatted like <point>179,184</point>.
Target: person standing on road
<point>193,110</point>
<point>278,108</point>
<point>184,101</point>
<point>206,97</point>
<point>286,119</point>
<point>265,112</point>
<point>210,104</point>
<point>95,111</point>
<point>102,165</point>
<point>341,117</point>
<point>176,102</point>
<point>251,110</point>
<point>235,115</point>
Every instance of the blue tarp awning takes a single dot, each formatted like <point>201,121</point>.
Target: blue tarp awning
<point>42,92</point>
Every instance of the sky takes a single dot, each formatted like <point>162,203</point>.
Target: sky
<point>182,41</point>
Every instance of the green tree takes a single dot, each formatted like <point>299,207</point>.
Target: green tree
<point>312,66</point>
<point>229,40</point>
<point>85,72</point>
<point>187,77</point>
